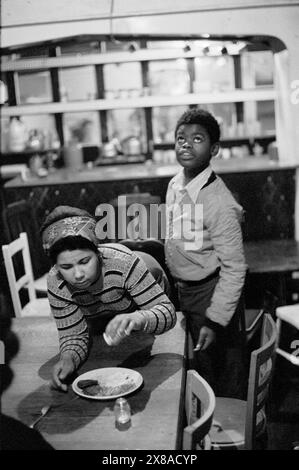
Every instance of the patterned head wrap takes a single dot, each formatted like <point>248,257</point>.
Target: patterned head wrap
<point>68,224</point>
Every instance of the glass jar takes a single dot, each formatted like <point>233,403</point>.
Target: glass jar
<point>122,414</point>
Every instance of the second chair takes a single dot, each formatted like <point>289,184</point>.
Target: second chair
<point>18,217</point>
<point>33,306</point>
<point>199,407</point>
<point>238,424</point>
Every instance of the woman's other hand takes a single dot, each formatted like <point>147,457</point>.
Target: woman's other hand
<point>61,371</point>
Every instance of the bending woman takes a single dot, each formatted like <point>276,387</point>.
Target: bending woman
<point>92,286</point>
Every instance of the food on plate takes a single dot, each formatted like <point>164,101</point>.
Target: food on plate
<point>109,390</point>
<point>86,383</point>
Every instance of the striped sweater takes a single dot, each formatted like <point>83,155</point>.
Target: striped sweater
<point>125,286</point>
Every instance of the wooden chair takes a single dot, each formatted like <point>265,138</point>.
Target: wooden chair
<point>199,407</point>
<point>34,307</point>
<point>251,322</point>
<point>155,248</point>
<point>239,423</point>
<point>143,208</point>
<point>20,217</point>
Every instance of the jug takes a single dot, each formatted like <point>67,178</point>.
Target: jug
<point>16,135</point>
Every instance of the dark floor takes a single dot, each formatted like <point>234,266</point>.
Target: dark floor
<point>283,417</point>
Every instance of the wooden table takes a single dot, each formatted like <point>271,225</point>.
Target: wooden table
<point>270,256</point>
<point>83,424</point>
<point>273,257</point>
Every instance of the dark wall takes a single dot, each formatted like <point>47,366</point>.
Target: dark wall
<point>268,198</point>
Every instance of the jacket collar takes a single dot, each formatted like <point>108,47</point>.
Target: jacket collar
<point>202,180</point>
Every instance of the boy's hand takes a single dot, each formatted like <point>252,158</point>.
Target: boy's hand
<point>206,337</point>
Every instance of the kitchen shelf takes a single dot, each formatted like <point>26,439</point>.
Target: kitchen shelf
<point>142,102</point>
<point>96,59</point>
<point>243,139</point>
<point>29,152</point>
<point>146,102</point>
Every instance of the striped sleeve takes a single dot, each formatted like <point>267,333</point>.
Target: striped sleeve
<point>149,297</point>
<point>72,328</point>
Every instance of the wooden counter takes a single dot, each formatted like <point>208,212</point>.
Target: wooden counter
<point>157,408</point>
<point>148,170</point>
<point>265,189</point>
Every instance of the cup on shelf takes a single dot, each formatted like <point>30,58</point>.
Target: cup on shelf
<point>225,154</point>
<point>240,129</point>
<point>17,135</point>
<point>73,156</point>
<point>257,150</point>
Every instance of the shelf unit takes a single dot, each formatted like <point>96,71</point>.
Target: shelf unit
<point>100,104</point>
<point>142,102</point>
<point>142,55</point>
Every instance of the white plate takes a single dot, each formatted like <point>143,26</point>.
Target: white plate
<point>113,377</point>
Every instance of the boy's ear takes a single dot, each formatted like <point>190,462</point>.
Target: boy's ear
<point>215,149</point>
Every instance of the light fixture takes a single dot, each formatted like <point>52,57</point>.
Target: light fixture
<point>224,51</point>
<point>206,50</point>
<point>132,47</point>
<point>112,38</point>
<point>187,48</point>
<point>237,47</point>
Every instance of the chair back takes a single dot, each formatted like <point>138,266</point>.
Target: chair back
<point>138,216</point>
<point>155,248</point>
<point>260,375</point>
<point>200,405</point>
<point>20,217</point>
<point>20,245</point>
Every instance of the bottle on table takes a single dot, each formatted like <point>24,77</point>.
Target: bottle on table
<point>122,414</point>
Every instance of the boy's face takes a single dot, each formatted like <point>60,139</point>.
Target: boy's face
<point>193,147</point>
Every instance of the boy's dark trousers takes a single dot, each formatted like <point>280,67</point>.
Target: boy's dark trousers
<point>222,363</point>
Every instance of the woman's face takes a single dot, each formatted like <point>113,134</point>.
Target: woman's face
<point>80,268</point>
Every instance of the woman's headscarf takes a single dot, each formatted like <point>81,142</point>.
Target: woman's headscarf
<point>65,221</point>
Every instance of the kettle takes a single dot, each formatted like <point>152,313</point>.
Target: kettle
<point>131,145</point>
<point>108,150</point>
<point>36,140</point>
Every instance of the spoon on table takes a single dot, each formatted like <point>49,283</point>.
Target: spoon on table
<point>45,409</point>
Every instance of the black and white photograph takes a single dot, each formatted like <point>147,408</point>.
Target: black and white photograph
<point>149,214</point>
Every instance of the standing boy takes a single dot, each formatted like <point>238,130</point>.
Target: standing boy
<point>204,252</point>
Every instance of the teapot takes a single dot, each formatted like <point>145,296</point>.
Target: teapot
<point>36,140</point>
<point>131,145</point>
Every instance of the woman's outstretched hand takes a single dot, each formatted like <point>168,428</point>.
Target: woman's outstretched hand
<point>61,371</point>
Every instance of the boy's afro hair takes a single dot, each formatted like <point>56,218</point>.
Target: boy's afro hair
<point>202,117</point>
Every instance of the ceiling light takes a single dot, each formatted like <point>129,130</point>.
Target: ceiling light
<point>132,47</point>
<point>187,48</point>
